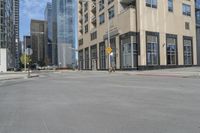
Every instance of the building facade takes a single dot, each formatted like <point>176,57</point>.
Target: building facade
<point>143,34</point>
<point>198,29</point>
<point>7,31</point>
<point>48,18</point>
<point>16,30</point>
<point>39,42</point>
<point>64,33</point>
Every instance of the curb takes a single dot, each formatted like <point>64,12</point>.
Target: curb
<point>23,77</point>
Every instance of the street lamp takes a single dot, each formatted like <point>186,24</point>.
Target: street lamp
<point>108,27</point>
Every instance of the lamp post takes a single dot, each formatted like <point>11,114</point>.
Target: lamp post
<point>108,27</point>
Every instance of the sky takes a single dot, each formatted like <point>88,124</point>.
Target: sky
<point>30,9</point>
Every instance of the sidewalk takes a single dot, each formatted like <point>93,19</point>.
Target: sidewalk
<point>15,75</point>
<point>193,72</point>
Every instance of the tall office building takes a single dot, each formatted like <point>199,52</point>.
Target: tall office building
<point>39,42</point>
<point>54,34</point>
<point>16,27</point>
<point>7,32</point>
<point>64,24</point>
<point>198,29</point>
<point>48,18</point>
<point>143,34</point>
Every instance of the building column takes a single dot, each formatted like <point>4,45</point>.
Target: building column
<point>97,61</point>
<point>107,61</point>
<point>90,62</point>
<point>83,58</point>
<point>117,38</point>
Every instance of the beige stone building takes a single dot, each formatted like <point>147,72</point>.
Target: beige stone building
<point>143,34</point>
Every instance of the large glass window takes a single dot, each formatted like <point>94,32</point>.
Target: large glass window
<point>171,51</point>
<point>93,56</point>
<point>151,3</point>
<point>102,56</point>
<point>152,50</point>
<point>129,52</point>
<point>170,5</point>
<point>113,46</point>
<point>186,10</point>
<point>87,58</point>
<point>187,44</point>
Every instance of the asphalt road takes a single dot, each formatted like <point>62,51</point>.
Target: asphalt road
<point>100,103</point>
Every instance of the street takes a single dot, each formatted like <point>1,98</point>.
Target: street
<point>98,102</point>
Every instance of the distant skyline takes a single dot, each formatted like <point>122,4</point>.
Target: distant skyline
<point>30,9</point>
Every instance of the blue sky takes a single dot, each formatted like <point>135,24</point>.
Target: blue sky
<point>30,9</point>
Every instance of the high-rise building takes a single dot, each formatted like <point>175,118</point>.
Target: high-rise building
<point>142,34</point>
<point>198,29</point>
<point>27,42</point>
<point>54,34</point>
<point>39,42</point>
<point>16,27</point>
<point>64,33</point>
<point>48,18</point>
<point>7,31</point>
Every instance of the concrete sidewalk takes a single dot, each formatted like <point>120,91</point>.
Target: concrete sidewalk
<point>17,75</point>
<point>176,72</point>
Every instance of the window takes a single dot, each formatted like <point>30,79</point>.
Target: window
<point>80,54</point>
<point>187,47</point>
<point>170,5</point>
<point>186,10</point>
<point>102,56</point>
<point>111,12</point>
<point>85,6</point>
<point>86,28</point>
<point>101,5</point>
<point>110,1</point>
<point>171,50</point>
<point>113,46</point>
<point>152,49</point>
<point>151,3</point>
<point>93,56</point>
<point>101,19</point>
<point>129,52</point>
<point>80,42</point>
<point>187,25</point>
<point>93,35</point>
<point>86,17</point>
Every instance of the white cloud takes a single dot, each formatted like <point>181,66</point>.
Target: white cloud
<point>33,8</point>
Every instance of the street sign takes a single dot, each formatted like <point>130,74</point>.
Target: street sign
<point>28,51</point>
<point>108,50</point>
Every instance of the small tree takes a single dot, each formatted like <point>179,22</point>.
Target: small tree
<point>25,59</point>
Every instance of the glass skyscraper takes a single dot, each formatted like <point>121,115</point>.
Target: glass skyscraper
<point>9,33</point>
<point>64,23</point>
<point>48,18</point>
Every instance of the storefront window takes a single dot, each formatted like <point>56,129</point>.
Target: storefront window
<point>129,52</point>
<point>102,56</point>
<point>171,51</point>
<point>187,51</point>
<point>152,50</point>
